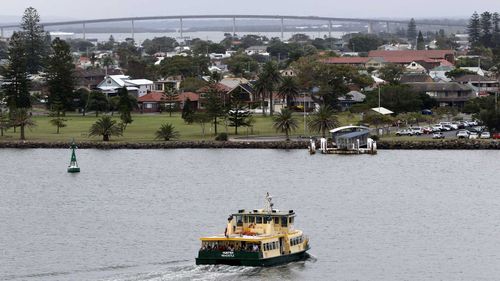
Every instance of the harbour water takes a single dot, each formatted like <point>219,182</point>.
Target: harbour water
<point>138,214</point>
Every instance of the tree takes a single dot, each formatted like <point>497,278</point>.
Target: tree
<point>126,104</point>
<point>420,41</point>
<point>411,32</point>
<point>377,119</point>
<point>214,105</point>
<point>238,117</point>
<point>34,40</point>
<point>323,119</point>
<point>271,77</point>
<point>486,29</point>
<point>56,109</point>
<point>288,90</point>
<point>166,132</point>
<point>16,88</point>
<point>159,44</point>
<point>202,118</point>
<point>192,84</point>
<point>98,102</point>
<point>105,127</point>
<point>60,75</point>
<point>4,122</point>
<point>491,119</point>
<point>458,72</point>
<point>364,42</point>
<point>400,98</point>
<point>188,112</point>
<point>242,63</point>
<point>446,111</point>
<point>184,66</point>
<point>391,73</point>
<point>474,29</point>
<point>496,30</point>
<point>21,118</point>
<point>170,98</point>
<point>285,123</point>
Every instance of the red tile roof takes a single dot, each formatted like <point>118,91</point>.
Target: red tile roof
<point>346,60</point>
<point>152,97</point>
<point>192,96</point>
<point>416,54</point>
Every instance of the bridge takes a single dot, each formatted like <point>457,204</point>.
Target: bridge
<point>281,18</point>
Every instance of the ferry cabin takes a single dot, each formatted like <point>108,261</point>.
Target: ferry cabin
<point>255,238</point>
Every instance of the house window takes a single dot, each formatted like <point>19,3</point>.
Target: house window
<point>149,105</point>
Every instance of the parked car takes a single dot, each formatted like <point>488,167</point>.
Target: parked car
<point>426,112</point>
<point>405,132</point>
<point>437,127</point>
<point>485,135</point>
<point>427,130</point>
<point>454,126</point>
<point>463,134</point>
<point>495,136</point>
<point>417,130</point>
<point>473,135</point>
<point>438,135</point>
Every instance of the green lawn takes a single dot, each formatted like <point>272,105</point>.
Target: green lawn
<point>144,126</point>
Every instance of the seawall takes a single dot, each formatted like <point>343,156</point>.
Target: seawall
<point>403,145</point>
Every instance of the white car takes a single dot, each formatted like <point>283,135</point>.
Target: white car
<point>473,136</point>
<point>438,135</point>
<point>417,130</point>
<point>437,127</point>
<point>485,135</point>
<point>463,134</point>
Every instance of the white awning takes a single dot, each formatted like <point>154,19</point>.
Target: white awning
<point>382,110</point>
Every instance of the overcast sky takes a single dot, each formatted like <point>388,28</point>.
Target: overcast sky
<point>91,9</point>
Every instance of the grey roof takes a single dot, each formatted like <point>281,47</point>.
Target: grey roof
<point>438,87</point>
<point>474,78</point>
<point>353,135</point>
<point>355,96</point>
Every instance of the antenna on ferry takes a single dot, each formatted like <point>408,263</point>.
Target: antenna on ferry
<point>269,205</point>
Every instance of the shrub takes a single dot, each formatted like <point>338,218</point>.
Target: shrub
<point>221,137</point>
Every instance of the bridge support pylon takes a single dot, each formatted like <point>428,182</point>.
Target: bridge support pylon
<point>234,27</point>
<point>1,32</point>
<point>181,27</point>
<point>282,29</point>
<point>84,31</point>
<point>133,30</point>
<point>330,29</point>
<point>370,27</point>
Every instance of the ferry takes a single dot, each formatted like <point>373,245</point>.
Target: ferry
<point>261,237</point>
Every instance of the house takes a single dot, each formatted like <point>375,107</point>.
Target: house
<point>91,78</point>
<point>415,77</point>
<point>439,73</point>
<point>257,50</point>
<point>167,83</point>
<point>408,56</point>
<point>135,87</point>
<point>156,101</point>
<point>480,83</point>
<point>476,70</point>
<point>352,61</point>
<point>351,98</point>
<point>446,93</point>
<point>415,67</point>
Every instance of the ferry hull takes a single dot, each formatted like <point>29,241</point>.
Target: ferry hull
<point>251,259</point>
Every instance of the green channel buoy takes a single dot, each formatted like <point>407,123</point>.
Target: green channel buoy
<point>73,164</point>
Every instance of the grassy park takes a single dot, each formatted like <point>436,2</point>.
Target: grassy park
<point>144,127</point>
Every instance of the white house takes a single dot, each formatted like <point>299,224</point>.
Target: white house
<point>476,70</point>
<point>136,87</point>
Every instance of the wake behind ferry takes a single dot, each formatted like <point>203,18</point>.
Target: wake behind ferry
<point>262,237</point>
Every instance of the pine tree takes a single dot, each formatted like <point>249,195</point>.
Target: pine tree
<point>126,104</point>
<point>420,41</point>
<point>238,117</point>
<point>411,32</point>
<point>214,105</point>
<point>496,30</point>
<point>171,96</point>
<point>16,88</point>
<point>486,29</point>
<point>474,29</point>
<point>188,112</point>
<point>56,111</point>
<point>60,76</point>
<point>35,40</point>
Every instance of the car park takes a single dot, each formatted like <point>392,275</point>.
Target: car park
<point>485,135</point>
<point>463,134</point>
<point>438,135</point>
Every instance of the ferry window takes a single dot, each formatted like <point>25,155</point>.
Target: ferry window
<point>259,220</point>
<point>239,221</point>
<point>245,219</point>
<point>276,220</point>
<point>251,219</point>
<point>291,220</point>
<point>284,221</point>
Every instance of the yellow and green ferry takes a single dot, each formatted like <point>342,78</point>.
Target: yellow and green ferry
<point>262,237</point>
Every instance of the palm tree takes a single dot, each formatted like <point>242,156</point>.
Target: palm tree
<point>105,127</point>
<point>289,90</point>
<point>260,87</point>
<point>271,75</point>
<point>323,119</point>
<point>285,123</point>
<point>167,132</point>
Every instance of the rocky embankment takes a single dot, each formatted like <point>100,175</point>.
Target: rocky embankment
<point>427,145</point>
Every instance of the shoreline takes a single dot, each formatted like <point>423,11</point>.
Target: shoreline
<point>382,145</point>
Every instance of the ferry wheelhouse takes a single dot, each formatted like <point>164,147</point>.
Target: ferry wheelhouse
<point>262,237</point>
